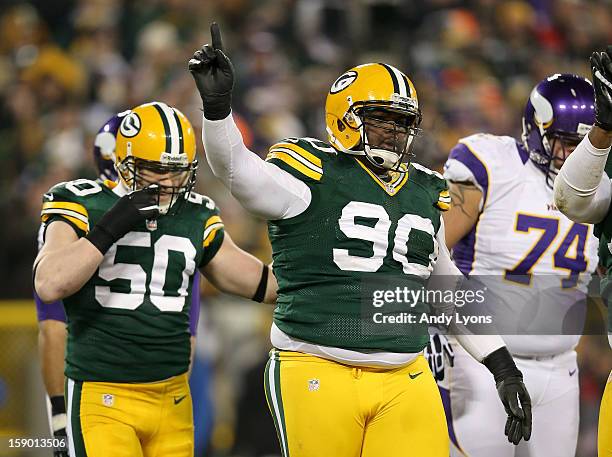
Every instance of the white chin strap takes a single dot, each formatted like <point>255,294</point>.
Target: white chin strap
<point>381,157</point>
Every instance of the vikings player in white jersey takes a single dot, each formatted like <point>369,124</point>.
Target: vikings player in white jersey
<point>536,263</point>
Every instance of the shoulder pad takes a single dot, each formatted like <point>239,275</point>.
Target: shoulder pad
<point>68,200</point>
<point>436,183</point>
<point>490,149</point>
<point>304,158</point>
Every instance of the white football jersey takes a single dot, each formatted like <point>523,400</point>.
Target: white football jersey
<point>536,263</point>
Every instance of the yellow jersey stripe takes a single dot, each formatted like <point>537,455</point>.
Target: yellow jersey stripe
<point>307,155</point>
<point>300,159</point>
<point>399,179</point>
<point>387,188</point>
<point>71,206</point>
<point>293,163</point>
<point>110,184</point>
<point>211,236</point>
<point>212,228</point>
<point>401,183</point>
<point>45,213</point>
<point>443,206</point>
<point>78,222</point>
<point>212,220</point>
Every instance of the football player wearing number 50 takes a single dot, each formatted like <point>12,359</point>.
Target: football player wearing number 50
<point>536,263</point>
<point>122,257</point>
<point>341,213</point>
<point>583,192</point>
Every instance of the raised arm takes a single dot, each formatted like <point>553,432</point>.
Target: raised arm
<point>261,187</point>
<point>582,190</point>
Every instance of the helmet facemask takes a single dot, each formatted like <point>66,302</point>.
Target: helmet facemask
<point>555,147</point>
<point>557,116</point>
<point>387,130</point>
<point>141,173</point>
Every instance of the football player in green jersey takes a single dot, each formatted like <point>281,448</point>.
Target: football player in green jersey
<point>123,260</point>
<point>583,192</point>
<point>342,214</point>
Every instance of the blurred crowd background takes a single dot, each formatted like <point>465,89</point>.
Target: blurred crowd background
<point>68,65</point>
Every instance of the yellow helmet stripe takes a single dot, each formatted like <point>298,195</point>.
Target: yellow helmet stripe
<point>164,120</point>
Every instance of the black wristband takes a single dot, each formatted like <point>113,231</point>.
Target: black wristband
<point>260,293</point>
<point>100,238</point>
<point>58,405</point>
<point>217,107</point>
<point>501,364</point>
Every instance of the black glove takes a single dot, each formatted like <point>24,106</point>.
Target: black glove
<point>513,394</point>
<point>129,210</point>
<point>58,425</point>
<point>438,352</point>
<point>601,67</point>
<point>214,75</point>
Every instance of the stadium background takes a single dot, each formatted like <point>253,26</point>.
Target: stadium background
<point>68,65</point>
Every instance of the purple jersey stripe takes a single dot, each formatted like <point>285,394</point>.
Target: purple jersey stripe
<point>194,310</point>
<point>446,402</point>
<point>464,154</point>
<point>463,252</point>
<point>45,311</point>
<point>522,152</point>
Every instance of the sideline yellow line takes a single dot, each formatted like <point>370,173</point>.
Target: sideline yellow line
<point>17,313</point>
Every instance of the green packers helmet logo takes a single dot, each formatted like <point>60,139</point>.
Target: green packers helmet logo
<point>343,82</point>
<point>130,126</point>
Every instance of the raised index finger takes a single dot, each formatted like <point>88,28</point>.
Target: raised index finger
<point>215,34</point>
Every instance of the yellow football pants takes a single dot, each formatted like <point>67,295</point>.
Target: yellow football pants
<point>130,420</point>
<point>325,409</point>
<point>604,440</point>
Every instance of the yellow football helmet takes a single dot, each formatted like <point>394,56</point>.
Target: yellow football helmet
<point>156,145</point>
<point>378,101</point>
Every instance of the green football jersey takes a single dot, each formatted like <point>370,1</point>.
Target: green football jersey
<point>130,321</point>
<point>357,231</point>
<point>603,230</point>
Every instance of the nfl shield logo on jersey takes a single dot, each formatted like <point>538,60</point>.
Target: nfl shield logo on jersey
<point>108,399</point>
<point>151,225</point>
<point>313,384</point>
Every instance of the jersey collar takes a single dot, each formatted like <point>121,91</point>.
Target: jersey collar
<point>392,187</point>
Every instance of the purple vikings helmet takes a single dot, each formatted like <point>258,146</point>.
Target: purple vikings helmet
<point>560,108</point>
<point>104,147</point>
